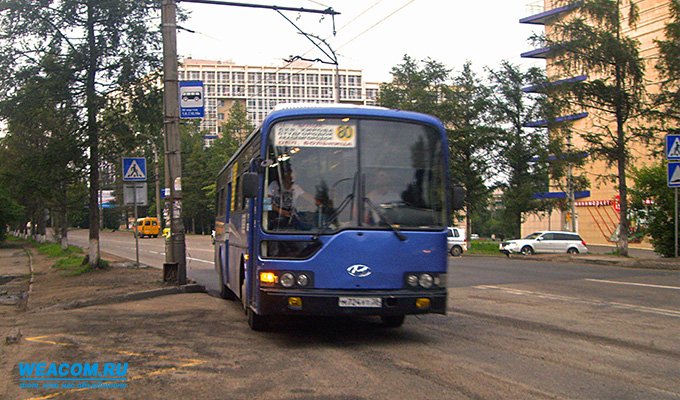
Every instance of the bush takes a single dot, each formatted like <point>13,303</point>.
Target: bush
<point>650,184</point>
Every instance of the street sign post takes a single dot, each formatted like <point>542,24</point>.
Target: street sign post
<point>134,171</point>
<point>191,99</point>
<point>673,157</point>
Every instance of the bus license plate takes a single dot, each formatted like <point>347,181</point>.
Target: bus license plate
<point>369,302</point>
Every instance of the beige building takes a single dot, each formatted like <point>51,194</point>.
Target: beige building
<point>596,210</point>
<point>261,88</point>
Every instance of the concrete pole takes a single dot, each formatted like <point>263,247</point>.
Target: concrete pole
<point>175,247</point>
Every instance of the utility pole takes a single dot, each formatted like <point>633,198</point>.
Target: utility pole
<point>175,247</point>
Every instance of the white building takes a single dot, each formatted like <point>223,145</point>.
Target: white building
<point>261,88</point>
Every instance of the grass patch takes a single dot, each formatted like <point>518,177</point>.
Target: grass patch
<point>72,265</point>
<point>54,250</point>
<point>483,247</point>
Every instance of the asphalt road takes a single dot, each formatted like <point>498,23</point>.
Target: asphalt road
<point>514,329</point>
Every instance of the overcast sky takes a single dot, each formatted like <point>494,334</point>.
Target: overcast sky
<point>372,35</point>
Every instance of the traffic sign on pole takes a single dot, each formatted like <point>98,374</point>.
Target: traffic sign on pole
<point>673,147</point>
<point>134,169</point>
<point>191,99</point>
<point>673,174</point>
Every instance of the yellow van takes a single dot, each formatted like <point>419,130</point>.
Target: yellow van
<point>148,227</point>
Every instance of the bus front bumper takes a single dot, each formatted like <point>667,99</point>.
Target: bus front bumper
<point>339,303</point>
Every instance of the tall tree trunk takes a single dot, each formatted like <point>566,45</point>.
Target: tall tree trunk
<point>63,235</point>
<point>93,139</point>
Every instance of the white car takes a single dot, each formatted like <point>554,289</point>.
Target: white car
<point>545,242</point>
<point>456,241</point>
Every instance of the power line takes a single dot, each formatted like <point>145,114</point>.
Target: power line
<point>376,24</point>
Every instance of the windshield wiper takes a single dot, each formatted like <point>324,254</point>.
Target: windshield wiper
<point>384,219</point>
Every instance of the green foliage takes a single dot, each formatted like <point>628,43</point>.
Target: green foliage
<point>483,247</point>
<point>517,144</point>
<point>73,266</point>
<point>98,46</point>
<point>237,127</point>
<point>54,250</point>
<point>592,39</point>
<point>650,184</point>
<point>10,211</point>
<point>668,100</point>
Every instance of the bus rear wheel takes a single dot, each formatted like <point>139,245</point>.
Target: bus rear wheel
<point>392,321</point>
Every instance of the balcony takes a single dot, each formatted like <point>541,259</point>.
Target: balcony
<point>543,123</point>
<point>543,52</point>
<point>543,17</point>
<point>540,88</point>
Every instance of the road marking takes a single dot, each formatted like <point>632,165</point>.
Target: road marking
<point>634,284</point>
<point>643,309</point>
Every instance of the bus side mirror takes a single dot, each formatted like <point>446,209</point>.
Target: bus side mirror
<point>249,182</point>
<point>458,198</point>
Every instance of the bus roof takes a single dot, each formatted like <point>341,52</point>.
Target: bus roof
<point>289,110</point>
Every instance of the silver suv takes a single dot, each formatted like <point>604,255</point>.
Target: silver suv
<point>545,242</point>
<point>456,241</point>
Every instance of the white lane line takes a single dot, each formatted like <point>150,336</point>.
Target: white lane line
<point>634,284</point>
<point>199,260</point>
<point>519,292</point>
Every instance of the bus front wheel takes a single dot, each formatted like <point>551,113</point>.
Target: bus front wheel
<point>392,321</point>
<point>257,322</point>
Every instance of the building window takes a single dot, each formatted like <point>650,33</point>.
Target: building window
<point>284,77</point>
<point>326,80</point>
<point>220,116</point>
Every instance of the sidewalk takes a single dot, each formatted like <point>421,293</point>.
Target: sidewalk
<point>609,259</point>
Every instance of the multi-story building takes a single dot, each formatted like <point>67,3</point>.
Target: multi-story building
<point>261,88</point>
<point>596,210</point>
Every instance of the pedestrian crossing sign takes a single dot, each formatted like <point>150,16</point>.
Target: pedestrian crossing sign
<point>674,174</point>
<point>134,169</point>
<point>673,147</point>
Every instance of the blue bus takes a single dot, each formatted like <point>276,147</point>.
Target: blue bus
<point>336,211</point>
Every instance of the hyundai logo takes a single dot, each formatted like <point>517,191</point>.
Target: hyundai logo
<point>359,270</point>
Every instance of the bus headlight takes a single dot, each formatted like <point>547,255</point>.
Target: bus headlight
<point>287,280</point>
<point>302,280</point>
<point>426,281</point>
<point>412,280</point>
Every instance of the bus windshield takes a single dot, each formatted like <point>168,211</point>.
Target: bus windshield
<point>327,174</point>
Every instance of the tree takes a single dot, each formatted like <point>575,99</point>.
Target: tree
<point>416,88</point>
<point>518,145</point>
<point>43,147</point>
<point>669,67</point>
<point>592,41</point>
<point>472,138</point>
<point>238,126</point>
<point>650,184</point>
<point>110,44</point>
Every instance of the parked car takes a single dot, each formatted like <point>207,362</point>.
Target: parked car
<point>545,242</point>
<point>456,241</point>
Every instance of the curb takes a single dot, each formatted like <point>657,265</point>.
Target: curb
<point>123,298</point>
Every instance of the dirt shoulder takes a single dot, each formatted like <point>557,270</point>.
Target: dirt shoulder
<point>53,288</point>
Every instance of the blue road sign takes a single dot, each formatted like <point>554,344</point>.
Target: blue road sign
<point>673,147</point>
<point>191,99</point>
<point>134,169</point>
<point>674,174</point>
